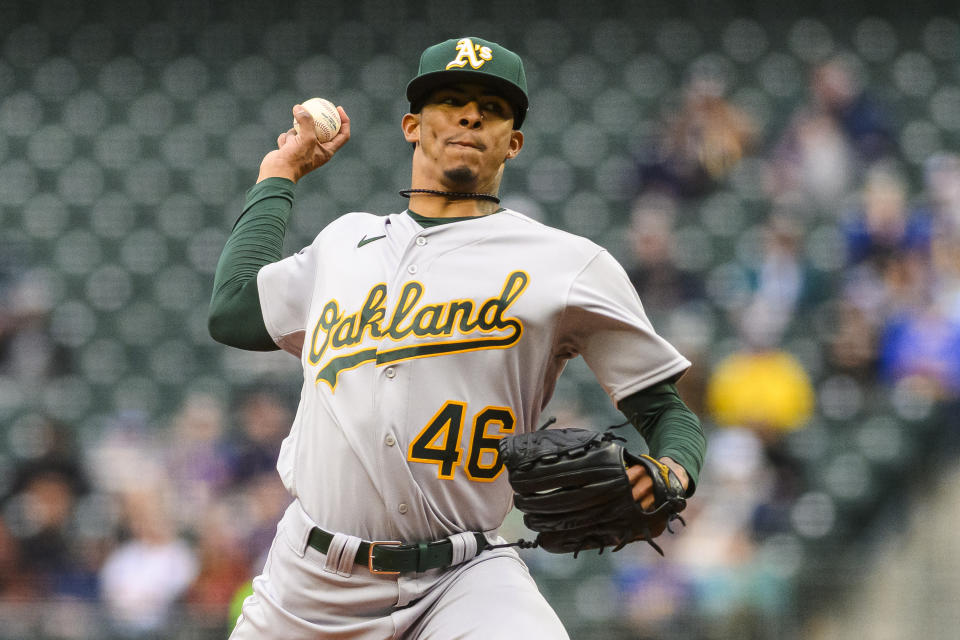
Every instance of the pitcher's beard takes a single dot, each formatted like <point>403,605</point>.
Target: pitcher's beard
<point>461,178</point>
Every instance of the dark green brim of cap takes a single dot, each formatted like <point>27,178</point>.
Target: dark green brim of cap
<point>421,86</point>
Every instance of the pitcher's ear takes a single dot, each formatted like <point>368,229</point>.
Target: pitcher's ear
<point>411,127</point>
<point>516,143</point>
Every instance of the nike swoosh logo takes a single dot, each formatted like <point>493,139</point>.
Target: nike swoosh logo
<point>365,240</point>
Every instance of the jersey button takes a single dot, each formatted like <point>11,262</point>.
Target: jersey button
<point>390,372</point>
<point>412,269</point>
<point>390,440</point>
<point>421,241</point>
<point>402,507</point>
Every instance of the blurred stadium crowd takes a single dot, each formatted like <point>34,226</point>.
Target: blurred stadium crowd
<point>783,189</point>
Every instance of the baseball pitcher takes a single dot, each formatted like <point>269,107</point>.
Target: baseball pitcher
<point>431,340</point>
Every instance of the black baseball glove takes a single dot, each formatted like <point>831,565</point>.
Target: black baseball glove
<point>572,487</point>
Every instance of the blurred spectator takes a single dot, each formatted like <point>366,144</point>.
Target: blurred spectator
<point>756,396</point>
<point>785,285</point>
<point>851,341</point>
<point>837,92</point>
<point>765,390</point>
<point>145,576</point>
<point>41,512</point>
<point>886,226</point>
<point>198,456</point>
<point>662,285</point>
<point>812,162</point>
<point>264,422</point>
<point>127,455</point>
<point>784,482</point>
<point>829,140</point>
<point>922,345</point>
<point>890,291</point>
<point>26,349</point>
<point>701,143</point>
<point>53,447</point>
<point>263,500</point>
<point>888,250</point>
<point>223,568</point>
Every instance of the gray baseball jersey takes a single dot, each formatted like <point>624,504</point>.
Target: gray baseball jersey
<point>422,347</point>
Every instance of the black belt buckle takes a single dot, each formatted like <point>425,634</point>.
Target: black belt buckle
<point>381,543</point>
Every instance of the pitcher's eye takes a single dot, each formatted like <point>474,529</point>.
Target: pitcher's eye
<point>494,107</point>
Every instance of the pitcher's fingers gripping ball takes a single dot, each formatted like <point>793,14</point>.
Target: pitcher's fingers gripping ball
<point>326,118</point>
<point>572,487</point>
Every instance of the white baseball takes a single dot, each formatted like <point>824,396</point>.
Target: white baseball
<point>326,118</point>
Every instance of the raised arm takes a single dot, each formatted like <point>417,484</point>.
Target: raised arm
<point>235,317</point>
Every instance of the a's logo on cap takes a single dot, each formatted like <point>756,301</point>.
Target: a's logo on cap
<point>472,53</point>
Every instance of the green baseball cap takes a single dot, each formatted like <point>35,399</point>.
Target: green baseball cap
<point>471,60</point>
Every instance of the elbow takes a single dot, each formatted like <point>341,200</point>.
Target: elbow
<point>218,326</point>
<point>227,327</point>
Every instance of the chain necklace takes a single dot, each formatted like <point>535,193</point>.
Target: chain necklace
<point>451,194</point>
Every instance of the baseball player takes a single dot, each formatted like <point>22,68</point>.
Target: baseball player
<point>425,337</point>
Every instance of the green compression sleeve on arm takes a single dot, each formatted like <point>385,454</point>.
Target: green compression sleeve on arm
<point>670,428</point>
<point>256,240</point>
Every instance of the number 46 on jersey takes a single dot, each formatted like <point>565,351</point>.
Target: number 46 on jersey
<point>439,442</point>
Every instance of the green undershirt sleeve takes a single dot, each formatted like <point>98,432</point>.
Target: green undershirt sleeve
<point>235,317</point>
<point>669,427</point>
